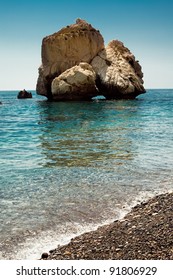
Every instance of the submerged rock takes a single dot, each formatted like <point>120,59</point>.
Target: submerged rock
<point>111,71</point>
<point>24,94</point>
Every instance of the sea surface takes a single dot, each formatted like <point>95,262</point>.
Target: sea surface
<point>66,168</point>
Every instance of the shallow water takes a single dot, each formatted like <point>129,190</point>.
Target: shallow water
<point>67,167</point>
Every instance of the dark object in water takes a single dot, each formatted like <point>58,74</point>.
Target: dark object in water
<point>24,94</point>
<point>44,256</point>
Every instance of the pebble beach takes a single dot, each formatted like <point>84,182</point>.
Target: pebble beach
<point>146,232</point>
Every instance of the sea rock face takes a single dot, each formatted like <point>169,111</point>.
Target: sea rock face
<point>73,44</point>
<point>24,94</point>
<point>119,75</point>
<point>77,66</point>
<point>76,83</point>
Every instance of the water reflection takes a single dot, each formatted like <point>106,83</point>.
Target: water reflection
<point>88,134</point>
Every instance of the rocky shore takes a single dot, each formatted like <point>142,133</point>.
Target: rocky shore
<point>144,233</point>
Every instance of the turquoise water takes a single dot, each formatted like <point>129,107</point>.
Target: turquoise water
<point>68,167</point>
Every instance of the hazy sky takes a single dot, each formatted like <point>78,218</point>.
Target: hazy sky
<point>145,27</point>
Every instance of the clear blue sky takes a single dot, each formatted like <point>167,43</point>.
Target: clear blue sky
<point>145,27</point>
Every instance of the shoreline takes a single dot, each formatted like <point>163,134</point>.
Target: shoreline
<point>146,232</point>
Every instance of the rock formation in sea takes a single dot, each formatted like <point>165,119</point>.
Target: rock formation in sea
<point>77,66</point>
<point>119,75</point>
<point>76,83</point>
<point>24,94</point>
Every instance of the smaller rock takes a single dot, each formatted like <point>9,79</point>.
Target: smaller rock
<point>76,83</point>
<point>117,249</point>
<point>44,256</point>
<point>52,251</point>
<point>67,253</point>
<point>154,214</point>
<point>24,94</point>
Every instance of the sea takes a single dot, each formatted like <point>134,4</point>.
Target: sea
<point>68,167</point>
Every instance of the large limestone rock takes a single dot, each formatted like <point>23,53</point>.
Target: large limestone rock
<point>76,43</point>
<point>119,75</point>
<point>76,83</point>
<point>77,66</point>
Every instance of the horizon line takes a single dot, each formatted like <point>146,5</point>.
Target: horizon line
<point>35,89</point>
